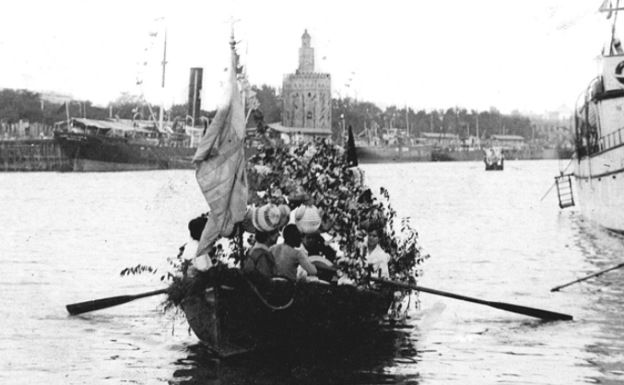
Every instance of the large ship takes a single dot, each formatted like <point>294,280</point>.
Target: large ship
<point>599,136</point>
<point>124,145</point>
<point>392,146</point>
<point>388,154</point>
<point>134,144</point>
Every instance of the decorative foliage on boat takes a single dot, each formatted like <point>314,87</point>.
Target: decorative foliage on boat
<point>318,172</point>
<point>348,207</point>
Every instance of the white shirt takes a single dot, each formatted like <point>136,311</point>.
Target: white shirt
<point>201,262</point>
<point>379,259</point>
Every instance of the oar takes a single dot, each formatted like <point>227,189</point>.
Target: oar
<point>588,277</point>
<point>529,311</point>
<point>97,304</point>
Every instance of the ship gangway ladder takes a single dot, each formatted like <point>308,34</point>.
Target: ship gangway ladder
<point>564,190</point>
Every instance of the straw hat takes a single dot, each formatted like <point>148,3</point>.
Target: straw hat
<point>285,215</point>
<point>266,218</point>
<point>307,219</point>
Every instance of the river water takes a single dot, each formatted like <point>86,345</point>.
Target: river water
<point>65,237</point>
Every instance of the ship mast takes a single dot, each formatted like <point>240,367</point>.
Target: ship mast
<point>164,63</point>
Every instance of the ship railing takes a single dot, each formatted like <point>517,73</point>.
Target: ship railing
<point>611,140</point>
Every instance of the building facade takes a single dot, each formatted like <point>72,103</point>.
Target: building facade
<point>306,96</point>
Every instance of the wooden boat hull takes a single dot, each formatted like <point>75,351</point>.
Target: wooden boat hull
<point>493,159</point>
<point>495,165</point>
<point>234,315</point>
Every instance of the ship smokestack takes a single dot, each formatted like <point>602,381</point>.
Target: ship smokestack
<point>194,95</point>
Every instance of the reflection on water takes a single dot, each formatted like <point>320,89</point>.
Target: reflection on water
<point>603,249</point>
<point>383,358</point>
<point>66,237</point>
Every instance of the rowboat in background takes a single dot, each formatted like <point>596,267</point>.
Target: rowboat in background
<point>494,158</point>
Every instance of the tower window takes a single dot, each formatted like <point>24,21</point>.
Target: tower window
<point>309,115</point>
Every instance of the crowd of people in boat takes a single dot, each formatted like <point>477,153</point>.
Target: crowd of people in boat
<point>287,242</point>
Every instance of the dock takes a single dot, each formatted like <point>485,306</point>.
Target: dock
<point>32,155</point>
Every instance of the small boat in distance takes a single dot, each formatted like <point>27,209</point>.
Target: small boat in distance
<point>493,158</point>
<point>599,139</point>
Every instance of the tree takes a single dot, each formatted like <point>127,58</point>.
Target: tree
<point>126,106</point>
<point>270,103</point>
<point>20,105</point>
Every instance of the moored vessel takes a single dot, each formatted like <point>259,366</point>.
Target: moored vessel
<point>493,159</point>
<point>111,145</point>
<point>599,141</point>
<point>398,154</point>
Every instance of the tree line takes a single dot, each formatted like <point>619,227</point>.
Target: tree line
<point>18,105</point>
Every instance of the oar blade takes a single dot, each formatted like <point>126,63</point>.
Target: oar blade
<point>98,304</point>
<point>532,312</point>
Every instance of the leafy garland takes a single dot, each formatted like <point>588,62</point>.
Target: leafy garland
<point>348,210</point>
<point>347,205</point>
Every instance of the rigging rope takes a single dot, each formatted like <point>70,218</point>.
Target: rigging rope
<point>264,301</point>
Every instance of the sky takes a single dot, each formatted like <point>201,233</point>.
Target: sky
<point>530,55</point>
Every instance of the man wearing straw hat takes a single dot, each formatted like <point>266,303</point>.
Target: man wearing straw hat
<point>265,220</point>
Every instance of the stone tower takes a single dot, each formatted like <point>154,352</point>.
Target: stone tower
<point>306,55</point>
<point>307,95</point>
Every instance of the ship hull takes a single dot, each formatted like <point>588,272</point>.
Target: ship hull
<point>600,188</point>
<point>379,154</point>
<point>89,153</point>
<point>454,155</point>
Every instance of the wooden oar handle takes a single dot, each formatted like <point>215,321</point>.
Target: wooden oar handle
<point>556,288</point>
<point>529,311</point>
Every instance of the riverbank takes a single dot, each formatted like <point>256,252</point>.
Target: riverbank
<point>46,155</point>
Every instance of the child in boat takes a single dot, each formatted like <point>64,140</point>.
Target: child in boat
<point>288,258</point>
<point>376,258</point>
<point>315,244</point>
<point>197,263</point>
<point>260,259</point>
<point>319,251</point>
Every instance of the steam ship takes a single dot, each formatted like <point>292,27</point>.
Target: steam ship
<point>599,141</point>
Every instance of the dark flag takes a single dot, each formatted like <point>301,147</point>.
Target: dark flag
<point>351,153</point>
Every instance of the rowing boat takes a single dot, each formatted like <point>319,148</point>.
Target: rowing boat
<point>232,313</point>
